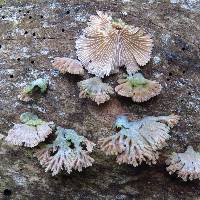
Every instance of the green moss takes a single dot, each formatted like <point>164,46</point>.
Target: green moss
<point>118,22</point>
<point>25,117</point>
<point>66,137</point>
<point>6,181</point>
<point>137,80</point>
<point>40,84</point>
<point>30,119</point>
<point>29,153</point>
<point>2,2</point>
<point>36,122</point>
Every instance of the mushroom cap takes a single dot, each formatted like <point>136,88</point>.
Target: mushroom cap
<point>137,141</point>
<point>69,151</point>
<point>95,89</point>
<point>186,165</point>
<point>68,65</point>
<point>138,88</point>
<point>30,132</point>
<point>28,136</point>
<point>107,44</point>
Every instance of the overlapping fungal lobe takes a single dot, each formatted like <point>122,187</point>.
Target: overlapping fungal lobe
<point>138,88</point>
<point>186,165</point>
<point>138,141</point>
<point>99,20</point>
<point>69,151</point>
<point>30,132</point>
<point>68,65</point>
<point>107,44</point>
<point>38,85</point>
<point>95,89</point>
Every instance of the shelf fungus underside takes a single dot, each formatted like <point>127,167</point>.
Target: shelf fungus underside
<point>30,132</point>
<point>68,65</point>
<point>186,165</point>
<point>95,89</point>
<point>68,151</point>
<point>138,88</point>
<point>138,141</point>
<point>107,44</point>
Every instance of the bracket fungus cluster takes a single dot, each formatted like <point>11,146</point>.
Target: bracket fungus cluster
<point>68,151</point>
<point>136,141</point>
<point>36,85</point>
<point>106,45</point>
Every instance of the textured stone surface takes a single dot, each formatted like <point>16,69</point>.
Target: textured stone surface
<point>34,32</point>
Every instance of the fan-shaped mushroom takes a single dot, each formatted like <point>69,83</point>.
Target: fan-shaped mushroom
<point>68,151</point>
<point>186,165</point>
<point>107,44</point>
<point>140,140</point>
<point>138,88</point>
<point>95,89</point>
<point>68,65</point>
<point>30,132</point>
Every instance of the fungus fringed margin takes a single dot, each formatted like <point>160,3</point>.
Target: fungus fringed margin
<point>136,141</point>
<point>107,44</point>
<point>68,65</point>
<point>186,165</point>
<point>138,88</point>
<point>95,89</point>
<point>30,132</point>
<point>69,151</point>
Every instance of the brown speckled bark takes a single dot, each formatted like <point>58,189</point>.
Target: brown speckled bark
<point>33,32</point>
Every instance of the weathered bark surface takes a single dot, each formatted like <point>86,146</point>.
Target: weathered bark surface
<point>34,32</point>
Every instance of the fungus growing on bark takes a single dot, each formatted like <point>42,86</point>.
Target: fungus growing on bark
<point>95,89</point>
<point>36,85</point>
<point>136,141</point>
<point>107,44</point>
<point>186,165</point>
<point>68,65</point>
<point>138,88</point>
<point>69,151</point>
<point>30,132</point>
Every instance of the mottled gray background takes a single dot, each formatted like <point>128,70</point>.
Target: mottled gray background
<point>34,32</point>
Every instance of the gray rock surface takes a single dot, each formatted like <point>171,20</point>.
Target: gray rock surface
<point>33,32</point>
